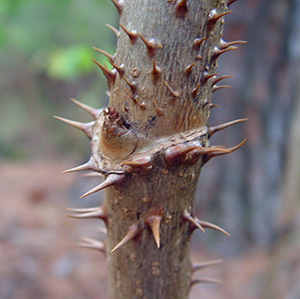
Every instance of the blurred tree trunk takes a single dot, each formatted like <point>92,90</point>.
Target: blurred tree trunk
<point>248,198</point>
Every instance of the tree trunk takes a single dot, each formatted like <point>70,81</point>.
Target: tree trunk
<point>152,140</point>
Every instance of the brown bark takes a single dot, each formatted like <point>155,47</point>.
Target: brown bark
<point>152,140</point>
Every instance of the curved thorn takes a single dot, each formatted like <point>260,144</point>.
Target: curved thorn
<point>186,215</point>
<point>92,244</point>
<point>188,69</point>
<point>197,42</point>
<point>213,16</point>
<point>111,179</point>
<point>206,76</point>
<point>84,127</point>
<point>203,265</point>
<point>225,45</point>
<point>217,52</point>
<point>195,90</point>
<point>213,154</point>
<point>174,93</point>
<point>213,226</point>
<point>216,79</point>
<point>213,130</point>
<point>181,8</point>
<point>205,280</point>
<point>217,87</point>
<point>116,32</point>
<point>92,111</point>
<point>133,231</point>
<point>131,34</point>
<point>109,56</point>
<point>119,5</point>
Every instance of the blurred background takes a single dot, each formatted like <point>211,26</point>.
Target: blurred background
<point>45,51</point>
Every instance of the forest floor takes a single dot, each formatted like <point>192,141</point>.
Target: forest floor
<point>39,260</point>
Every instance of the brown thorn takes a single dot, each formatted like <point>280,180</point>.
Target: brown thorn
<point>204,280</point>
<point>135,99</point>
<point>142,164</point>
<point>217,52</point>
<point>133,231</point>
<point>213,16</point>
<point>153,219</point>
<point>206,76</point>
<point>84,127</point>
<point>216,79</point>
<point>188,69</point>
<point>217,87</point>
<point>99,214</point>
<point>131,34</point>
<point>197,42</point>
<point>174,93</point>
<point>211,105</point>
<point>119,5</point>
<point>213,130</point>
<point>186,215</point>
<point>120,69</point>
<point>181,8</point>
<point>115,30</point>
<point>195,90</point>
<point>225,45</point>
<point>92,244</point>
<point>213,226</point>
<point>194,155</point>
<point>90,165</point>
<point>156,71</point>
<point>151,45</point>
<point>203,265</point>
<point>229,2</point>
<point>132,85</point>
<point>92,111</point>
<point>213,154</point>
<point>111,179</point>
<point>110,75</point>
<point>158,110</point>
<point>109,56</point>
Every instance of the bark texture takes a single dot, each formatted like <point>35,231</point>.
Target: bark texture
<point>152,140</point>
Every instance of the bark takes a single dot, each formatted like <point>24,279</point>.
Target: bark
<point>152,140</point>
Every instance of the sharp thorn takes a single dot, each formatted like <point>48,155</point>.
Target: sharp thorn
<point>159,111</point>
<point>216,79</point>
<point>197,42</point>
<point>98,214</point>
<point>133,231</point>
<point>131,34</point>
<point>188,69</point>
<point>109,75</point>
<point>213,16</point>
<point>119,5</point>
<point>120,69</point>
<point>174,93</point>
<point>117,33</point>
<point>132,85</point>
<point>213,226</point>
<point>111,179</point>
<point>217,52</point>
<point>195,90</point>
<point>109,56</point>
<point>225,45</point>
<point>153,220</point>
<point>186,215</point>
<point>206,76</point>
<point>151,45</point>
<point>156,71</point>
<point>203,265</point>
<point>136,99</point>
<point>181,8</point>
<point>92,244</point>
<point>213,130</point>
<point>205,280</point>
<point>87,128</point>
<point>90,165</point>
<point>217,87</point>
<point>92,111</point>
<point>83,210</point>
